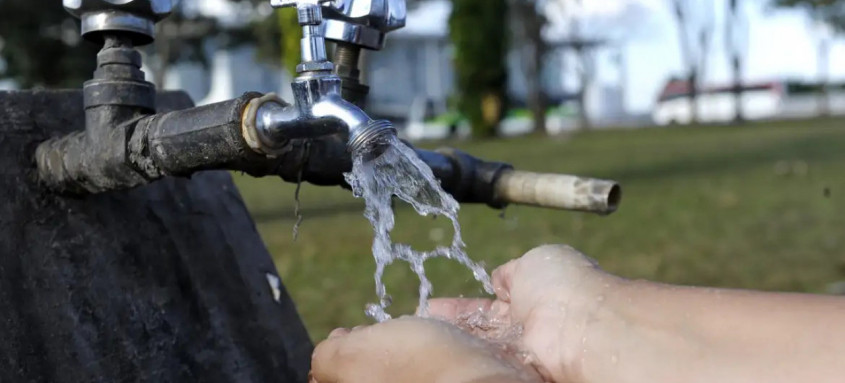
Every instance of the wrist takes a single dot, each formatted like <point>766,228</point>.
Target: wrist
<point>505,378</point>
<point>487,371</point>
<point>625,332</point>
<point>597,321</point>
<point>482,363</point>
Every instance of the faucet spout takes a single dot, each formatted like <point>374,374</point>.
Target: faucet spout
<point>319,110</point>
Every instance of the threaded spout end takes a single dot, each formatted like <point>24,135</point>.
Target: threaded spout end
<point>371,139</point>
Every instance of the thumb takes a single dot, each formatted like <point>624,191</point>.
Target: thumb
<point>503,280</point>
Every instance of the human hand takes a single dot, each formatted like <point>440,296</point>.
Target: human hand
<point>411,349</point>
<point>554,292</point>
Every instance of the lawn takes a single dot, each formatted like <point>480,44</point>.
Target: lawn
<point>759,206</point>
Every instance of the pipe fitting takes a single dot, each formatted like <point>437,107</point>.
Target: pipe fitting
<point>249,127</point>
<point>319,110</point>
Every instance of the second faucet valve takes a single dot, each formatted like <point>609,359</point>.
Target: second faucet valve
<point>313,43</point>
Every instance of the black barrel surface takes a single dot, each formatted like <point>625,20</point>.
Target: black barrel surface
<point>164,283</point>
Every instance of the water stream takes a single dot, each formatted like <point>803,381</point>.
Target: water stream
<point>399,172</point>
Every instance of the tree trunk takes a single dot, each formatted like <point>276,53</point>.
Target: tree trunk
<point>824,77</point>
<point>693,96</point>
<point>532,49</point>
<point>583,117</point>
<point>585,78</point>
<point>739,113</point>
<point>694,53</point>
<point>732,39</point>
<point>533,23</point>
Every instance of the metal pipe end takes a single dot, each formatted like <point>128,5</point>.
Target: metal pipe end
<point>559,191</point>
<point>614,197</point>
<point>371,140</point>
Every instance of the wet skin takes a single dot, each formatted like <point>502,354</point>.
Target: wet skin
<point>580,324</point>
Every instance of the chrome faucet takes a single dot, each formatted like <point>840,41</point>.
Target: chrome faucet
<point>318,108</point>
<point>354,25</point>
<point>363,23</point>
<point>126,144</point>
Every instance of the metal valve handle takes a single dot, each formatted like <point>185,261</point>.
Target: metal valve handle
<point>313,44</point>
<point>295,3</point>
<point>134,18</point>
<point>363,23</point>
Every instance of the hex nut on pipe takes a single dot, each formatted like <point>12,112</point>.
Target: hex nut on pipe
<point>248,124</point>
<point>559,191</point>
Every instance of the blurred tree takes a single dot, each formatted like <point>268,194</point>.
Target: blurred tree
<point>831,12</point>
<point>179,38</point>
<point>479,33</point>
<point>590,33</point>
<point>277,39</point>
<point>736,46</point>
<point>830,16</point>
<point>694,19</point>
<point>291,36</point>
<point>532,47</point>
<point>183,36</point>
<point>40,46</point>
<point>585,51</point>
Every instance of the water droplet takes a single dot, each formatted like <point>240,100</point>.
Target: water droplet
<point>386,301</point>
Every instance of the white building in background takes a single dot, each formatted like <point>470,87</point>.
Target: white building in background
<point>762,101</point>
<point>413,79</point>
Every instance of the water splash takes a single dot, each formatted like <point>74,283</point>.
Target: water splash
<point>399,172</point>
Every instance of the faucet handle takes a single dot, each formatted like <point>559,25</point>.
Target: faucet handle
<point>135,18</point>
<point>309,10</point>
<point>364,23</point>
<point>313,44</point>
<point>297,3</point>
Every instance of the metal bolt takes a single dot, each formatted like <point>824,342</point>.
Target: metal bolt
<point>135,17</point>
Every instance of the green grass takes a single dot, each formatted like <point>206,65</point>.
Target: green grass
<point>716,206</point>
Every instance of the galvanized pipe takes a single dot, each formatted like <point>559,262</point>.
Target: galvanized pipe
<point>558,191</point>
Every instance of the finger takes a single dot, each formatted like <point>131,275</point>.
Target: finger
<point>451,309</point>
<point>502,280</point>
<point>500,309</point>
<point>563,255</point>
<point>338,332</point>
<point>324,366</point>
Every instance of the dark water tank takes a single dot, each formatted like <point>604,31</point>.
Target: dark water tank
<point>164,283</point>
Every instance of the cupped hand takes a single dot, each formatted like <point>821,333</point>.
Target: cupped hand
<point>553,292</point>
<point>412,349</point>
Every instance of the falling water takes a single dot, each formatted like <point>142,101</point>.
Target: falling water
<point>399,172</point>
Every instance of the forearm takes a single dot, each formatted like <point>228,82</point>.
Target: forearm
<point>499,369</point>
<point>659,333</point>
